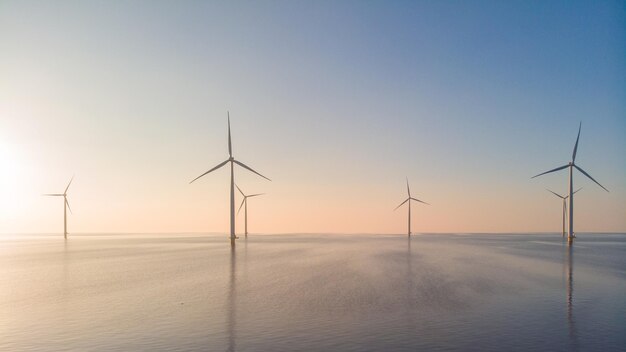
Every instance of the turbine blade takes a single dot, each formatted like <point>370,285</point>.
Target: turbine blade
<point>53,195</point>
<point>556,194</point>
<point>240,191</point>
<point>213,169</point>
<point>573,193</point>
<point>243,201</point>
<point>408,190</point>
<point>68,185</point>
<point>68,205</point>
<point>576,145</point>
<point>553,170</point>
<point>586,174</point>
<point>247,167</point>
<point>401,204</point>
<point>254,195</point>
<point>230,146</point>
<point>417,200</point>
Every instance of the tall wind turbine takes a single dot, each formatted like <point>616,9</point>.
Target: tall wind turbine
<point>571,165</point>
<point>564,207</point>
<point>409,199</point>
<point>232,162</point>
<point>66,205</point>
<point>245,202</point>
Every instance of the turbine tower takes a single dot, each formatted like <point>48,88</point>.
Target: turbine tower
<point>232,162</point>
<point>245,202</point>
<point>571,165</point>
<point>409,199</point>
<point>66,205</point>
<point>564,207</point>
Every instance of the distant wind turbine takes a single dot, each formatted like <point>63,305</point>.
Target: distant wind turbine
<point>232,161</point>
<point>409,199</point>
<point>66,205</point>
<point>571,165</point>
<point>564,207</point>
<point>245,202</point>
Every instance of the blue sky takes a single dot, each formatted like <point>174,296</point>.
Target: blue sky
<point>336,101</point>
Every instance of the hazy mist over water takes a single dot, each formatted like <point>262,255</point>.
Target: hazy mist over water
<point>312,292</point>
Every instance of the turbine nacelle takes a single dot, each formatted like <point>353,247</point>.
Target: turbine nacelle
<point>572,163</point>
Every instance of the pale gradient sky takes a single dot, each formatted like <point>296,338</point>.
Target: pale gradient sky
<point>335,101</point>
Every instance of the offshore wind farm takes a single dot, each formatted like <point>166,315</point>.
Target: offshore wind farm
<point>341,104</point>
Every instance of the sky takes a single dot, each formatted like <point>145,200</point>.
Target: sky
<point>338,102</point>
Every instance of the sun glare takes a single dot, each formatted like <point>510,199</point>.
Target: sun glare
<point>11,176</point>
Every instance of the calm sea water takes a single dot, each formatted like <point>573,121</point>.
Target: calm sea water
<point>312,293</point>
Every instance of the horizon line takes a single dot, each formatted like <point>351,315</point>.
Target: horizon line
<point>313,233</point>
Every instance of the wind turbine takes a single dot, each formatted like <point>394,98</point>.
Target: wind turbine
<point>245,201</point>
<point>232,162</point>
<point>564,206</point>
<point>571,165</point>
<point>66,205</point>
<point>409,199</point>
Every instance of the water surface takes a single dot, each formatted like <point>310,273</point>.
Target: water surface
<point>312,292</point>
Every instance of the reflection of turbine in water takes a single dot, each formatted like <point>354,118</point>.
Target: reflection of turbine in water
<point>409,282</point>
<point>66,262</point>
<point>570,295</point>
<point>231,301</point>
